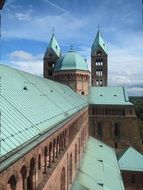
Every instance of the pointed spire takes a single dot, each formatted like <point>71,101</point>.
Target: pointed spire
<point>98,26</point>
<point>53,30</point>
<point>53,47</point>
<point>99,43</point>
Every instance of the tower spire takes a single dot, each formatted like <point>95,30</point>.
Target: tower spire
<point>52,54</point>
<point>99,61</point>
<point>99,41</point>
<point>53,30</point>
<point>98,26</point>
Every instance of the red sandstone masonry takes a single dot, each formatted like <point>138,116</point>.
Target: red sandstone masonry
<point>73,131</point>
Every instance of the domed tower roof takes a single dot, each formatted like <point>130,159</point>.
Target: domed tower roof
<point>71,61</point>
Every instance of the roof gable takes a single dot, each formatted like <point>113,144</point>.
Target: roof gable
<point>131,160</point>
<point>53,48</point>
<point>99,43</point>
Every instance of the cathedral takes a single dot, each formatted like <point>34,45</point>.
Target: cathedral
<point>68,130</point>
<point>111,115</point>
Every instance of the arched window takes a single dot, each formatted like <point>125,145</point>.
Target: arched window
<point>79,145</point>
<point>101,83</point>
<point>31,179</point>
<point>99,52</point>
<point>75,156</point>
<point>12,182</point>
<point>97,83</point>
<point>50,154</point>
<point>23,172</point>
<point>45,159</point>
<point>57,147</point>
<point>39,162</point>
<point>100,130</point>
<point>70,168</point>
<point>54,152</point>
<point>117,130</point>
<point>63,179</point>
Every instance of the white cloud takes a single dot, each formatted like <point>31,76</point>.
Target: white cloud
<point>121,72</point>
<point>125,63</point>
<point>23,16</point>
<point>125,44</point>
<point>135,91</point>
<point>26,62</point>
<point>38,27</point>
<point>21,55</point>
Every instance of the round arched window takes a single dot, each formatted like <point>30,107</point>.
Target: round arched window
<point>99,52</point>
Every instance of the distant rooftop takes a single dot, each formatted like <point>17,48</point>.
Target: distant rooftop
<point>98,168</point>
<point>108,96</point>
<point>130,160</point>
<point>30,106</point>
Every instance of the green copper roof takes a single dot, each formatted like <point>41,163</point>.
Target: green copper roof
<point>108,96</point>
<point>99,43</point>
<point>98,168</point>
<point>31,105</point>
<point>71,61</point>
<point>53,48</point>
<point>130,160</point>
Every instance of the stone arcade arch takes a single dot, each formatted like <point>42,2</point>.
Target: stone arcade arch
<point>57,147</point>
<point>39,162</point>
<point>12,182</point>
<point>63,179</point>
<point>31,177</point>
<point>45,159</point>
<point>50,154</point>
<point>70,168</point>
<point>75,156</point>
<point>23,172</point>
<point>54,151</point>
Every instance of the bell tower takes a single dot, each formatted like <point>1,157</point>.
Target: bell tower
<point>99,62</point>
<point>52,54</point>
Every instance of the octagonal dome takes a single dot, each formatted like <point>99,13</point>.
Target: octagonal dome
<point>71,61</point>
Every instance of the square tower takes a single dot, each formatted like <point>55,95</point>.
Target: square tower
<point>99,62</point>
<point>52,54</point>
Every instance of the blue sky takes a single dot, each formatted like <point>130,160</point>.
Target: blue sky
<point>27,27</point>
